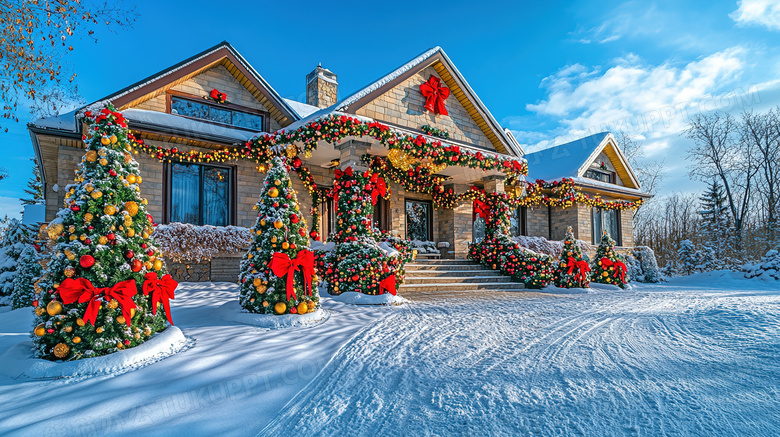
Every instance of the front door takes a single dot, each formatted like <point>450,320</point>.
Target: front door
<point>419,220</point>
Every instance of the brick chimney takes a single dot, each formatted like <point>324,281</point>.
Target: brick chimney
<point>321,87</point>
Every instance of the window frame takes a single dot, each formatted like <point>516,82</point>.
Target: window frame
<point>609,175</point>
<point>381,217</point>
<point>232,191</point>
<point>521,212</point>
<point>430,217</point>
<point>596,236</point>
<point>229,106</point>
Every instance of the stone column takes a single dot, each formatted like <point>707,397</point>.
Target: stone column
<point>351,153</point>
<point>494,183</point>
<point>455,226</point>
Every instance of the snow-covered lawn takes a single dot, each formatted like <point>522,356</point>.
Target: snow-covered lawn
<point>694,356</point>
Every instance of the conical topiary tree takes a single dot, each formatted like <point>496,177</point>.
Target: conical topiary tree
<point>102,289</point>
<point>17,237</point>
<point>29,272</point>
<point>607,267</point>
<point>277,273</point>
<point>571,271</point>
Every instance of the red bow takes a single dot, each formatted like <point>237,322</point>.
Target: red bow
<point>435,95</point>
<point>162,290</point>
<point>619,266</point>
<point>281,265</point>
<point>388,284</point>
<point>582,269</point>
<point>81,290</point>
<point>481,209</point>
<point>380,189</point>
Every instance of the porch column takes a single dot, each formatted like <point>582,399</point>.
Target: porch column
<point>455,226</point>
<point>494,183</point>
<point>351,152</point>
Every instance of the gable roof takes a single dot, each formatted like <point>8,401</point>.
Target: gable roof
<point>221,54</point>
<point>453,79</point>
<point>572,159</point>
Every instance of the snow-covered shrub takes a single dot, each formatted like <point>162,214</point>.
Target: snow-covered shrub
<point>767,269</point>
<point>182,242</point>
<point>642,266</point>
<point>29,271</point>
<point>16,238</point>
<point>542,245</point>
<point>424,246</point>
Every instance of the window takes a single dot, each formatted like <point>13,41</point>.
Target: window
<point>381,218</point>
<point>418,220</point>
<point>200,194</point>
<point>599,175</point>
<point>517,222</point>
<point>327,217</point>
<point>220,114</point>
<point>606,220</point>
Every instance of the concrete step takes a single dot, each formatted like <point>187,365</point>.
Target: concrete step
<point>445,267</point>
<point>504,286</point>
<point>458,280</point>
<point>449,272</point>
<point>444,262</point>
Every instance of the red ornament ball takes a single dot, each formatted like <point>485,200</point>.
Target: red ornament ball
<point>129,254</point>
<point>86,261</point>
<point>294,218</point>
<point>136,265</point>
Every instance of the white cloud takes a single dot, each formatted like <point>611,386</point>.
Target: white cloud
<point>758,12</point>
<point>11,207</point>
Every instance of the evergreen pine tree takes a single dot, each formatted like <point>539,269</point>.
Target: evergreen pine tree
<point>16,238</point>
<point>571,271</point>
<point>687,257</point>
<point>280,236</point>
<point>34,187</point>
<point>715,225</point>
<point>607,266</point>
<point>105,287</point>
<point>29,272</point>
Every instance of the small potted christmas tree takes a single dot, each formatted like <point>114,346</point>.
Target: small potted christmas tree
<point>105,287</point>
<point>277,273</point>
<point>607,267</point>
<point>571,271</point>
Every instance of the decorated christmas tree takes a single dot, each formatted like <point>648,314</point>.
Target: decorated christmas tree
<point>277,273</point>
<point>29,271</point>
<point>17,237</point>
<point>105,287</point>
<point>571,271</point>
<point>607,267</point>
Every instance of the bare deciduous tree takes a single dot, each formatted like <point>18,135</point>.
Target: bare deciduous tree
<point>763,132</point>
<point>35,38</point>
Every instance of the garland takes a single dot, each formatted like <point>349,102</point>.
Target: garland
<point>435,132</point>
<point>564,194</point>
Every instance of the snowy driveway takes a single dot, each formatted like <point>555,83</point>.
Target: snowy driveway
<point>655,361</point>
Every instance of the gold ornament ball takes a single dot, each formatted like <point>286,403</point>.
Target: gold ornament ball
<point>131,178</point>
<point>303,308</point>
<point>121,320</point>
<point>605,274</point>
<point>69,272</point>
<point>96,194</point>
<point>89,188</point>
<point>273,239</point>
<point>113,303</point>
<point>278,224</point>
<point>77,340</point>
<point>103,161</point>
<point>113,139</point>
<point>257,281</point>
<point>285,245</point>
<point>109,209</point>
<point>91,156</point>
<point>80,322</point>
<point>40,330</point>
<point>103,240</point>
<point>54,230</point>
<point>53,308</point>
<point>158,265</point>
<point>99,329</point>
<point>88,217</point>
<point>265,303</point>
<point>39,311</point>
<point>131,207</point>
<point>311,305</point>
<point>61,350</point>
<point>280,307</point>
<point>105,141</point>
<point>273,192</point>
<point>261,289</point>
<point>68,328</point>
<point>71,229</point>
<point>131,232</point>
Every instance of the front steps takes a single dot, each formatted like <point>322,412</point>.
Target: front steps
<point>454,275</point>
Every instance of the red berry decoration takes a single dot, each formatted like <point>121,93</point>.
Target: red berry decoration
<point>294,310</point>
<point>87,241</point>
<point>136,265</point>
<point>86,261</point>
<point>143,246</point>
<point>110,236</point>
<point>75,208</point>
<point>112,172</point>
<point>129,254</point>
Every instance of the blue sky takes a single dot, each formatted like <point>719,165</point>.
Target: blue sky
<point>550,71</point>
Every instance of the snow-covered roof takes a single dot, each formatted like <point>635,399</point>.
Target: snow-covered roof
<point>564,160</point>
<point>66,122</point>
<point>608,186</point>
<point>177,124</point>
<point>302,109</point>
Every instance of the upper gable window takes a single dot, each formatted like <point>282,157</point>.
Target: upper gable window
<point>600,176</point>
<point>229,115</point>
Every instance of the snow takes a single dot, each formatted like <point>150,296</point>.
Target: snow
<point>65,122</point>
<point>302,109</point>
<point>187,125</point>
<point>696,355</point>
<point>355,298</point>
<point>186,242</point>
<point>18,361</point>
<point>563,160</point>
<point>232,312</point>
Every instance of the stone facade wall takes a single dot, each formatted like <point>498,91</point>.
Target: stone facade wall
<point>404,105</point>
<point>321,88</point>
<point>537,222</point>
<point>201,85</point>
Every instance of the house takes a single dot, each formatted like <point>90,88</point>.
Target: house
<point>184,130</point>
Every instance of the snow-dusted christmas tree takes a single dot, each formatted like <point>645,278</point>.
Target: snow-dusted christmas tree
<point>571,271</point>
<point>715,228</point>
<point>277,273</point>
<point>687,258</point>
<point>29,271</point>
<point>607,267</point>
<point>105,288</point>
<point>17,237</point>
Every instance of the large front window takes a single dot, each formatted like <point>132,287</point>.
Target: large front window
<point>220,114</point>
<point>606,220</point>
<point>517,221</point>
<point>418,220</point>
<point>200,194</point>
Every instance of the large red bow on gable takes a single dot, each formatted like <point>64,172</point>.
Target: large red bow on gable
<point>435,95</point>
<point>620,268</point>
<point>380,188</point>
<point>162,291</point>
<point>582,269</point>
<point>388,284</point>
<point>481,209</point>
<point>281,265</point>
<point>81,290</point>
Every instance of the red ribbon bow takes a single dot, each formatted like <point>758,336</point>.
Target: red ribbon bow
<point>281,265</point>
<point>620,268</point>
<point>81,290</point>
<point>162,291</point>
<point>435,95</point>
<point>388,284</point>
<point>481,209</point>
<point>380,189</point>
<point>582,268</point>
